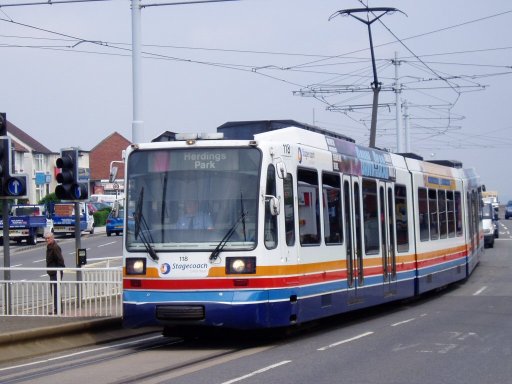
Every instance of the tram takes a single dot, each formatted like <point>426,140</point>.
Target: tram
<point>295,224</point>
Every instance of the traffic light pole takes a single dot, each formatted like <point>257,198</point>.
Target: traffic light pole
<point>7,258</point>
<point>78,245</point>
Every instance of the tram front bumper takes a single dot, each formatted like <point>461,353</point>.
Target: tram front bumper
<point>237,310</point>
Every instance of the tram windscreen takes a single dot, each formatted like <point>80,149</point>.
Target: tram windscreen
<point>189,199</point>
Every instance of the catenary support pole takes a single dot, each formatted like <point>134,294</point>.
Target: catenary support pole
<point>398,109</point>
<point>137,123</point>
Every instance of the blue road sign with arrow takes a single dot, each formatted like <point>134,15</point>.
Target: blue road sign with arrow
<point>17,186</point>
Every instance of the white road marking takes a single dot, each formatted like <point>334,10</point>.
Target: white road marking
<point>480,291</point>
<point>103,245</point>
<point>345,341</point>
<point>258,371</point>
<point>403,322</point>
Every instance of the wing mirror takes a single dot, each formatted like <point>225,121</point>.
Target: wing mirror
<point>274,204</point>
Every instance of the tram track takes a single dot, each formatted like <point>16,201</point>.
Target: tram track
<point>173,371</point>
<point>58,363</point>
<point>182,356</point>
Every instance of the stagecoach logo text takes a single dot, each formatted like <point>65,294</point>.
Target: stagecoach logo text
<point>204,160</point>
<point>166,268</point>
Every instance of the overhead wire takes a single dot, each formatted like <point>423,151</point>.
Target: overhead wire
<point>357,77</point>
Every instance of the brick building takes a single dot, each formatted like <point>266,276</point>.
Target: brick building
<point>107,152</point>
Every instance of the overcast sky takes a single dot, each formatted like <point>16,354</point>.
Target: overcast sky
<point>66,72</point>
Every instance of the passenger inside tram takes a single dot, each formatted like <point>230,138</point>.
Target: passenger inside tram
<point>194,218</point>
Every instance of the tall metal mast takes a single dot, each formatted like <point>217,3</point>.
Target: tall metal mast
<point>375,85</point>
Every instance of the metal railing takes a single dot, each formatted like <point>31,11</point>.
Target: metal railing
<point>82,292</point>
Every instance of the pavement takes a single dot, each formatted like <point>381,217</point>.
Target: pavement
<point>31,336</point>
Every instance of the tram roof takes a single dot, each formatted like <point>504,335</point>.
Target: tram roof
<point>448,163</point>
<point>245,130</point>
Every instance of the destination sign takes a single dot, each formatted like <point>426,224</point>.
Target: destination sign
<point>205,159</point>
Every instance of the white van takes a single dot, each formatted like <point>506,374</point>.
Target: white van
<point>488,224</point>
<point>109,199</point>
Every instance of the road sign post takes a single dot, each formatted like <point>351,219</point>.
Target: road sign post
<point>7,258</point>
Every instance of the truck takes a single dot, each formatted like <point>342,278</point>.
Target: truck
<point>489,224</point>
<point>491,197</point>
<point>27,222</point>
<point>108,199</point>
<point>63,216</point>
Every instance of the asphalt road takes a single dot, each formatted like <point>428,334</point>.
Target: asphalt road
<point>98,246</point>
<point>460,335</point>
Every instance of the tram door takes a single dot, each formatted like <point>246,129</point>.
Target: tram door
<point>387,230</point>
<point>353,236</point>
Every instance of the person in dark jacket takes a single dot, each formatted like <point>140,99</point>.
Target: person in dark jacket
<point>54,259</point>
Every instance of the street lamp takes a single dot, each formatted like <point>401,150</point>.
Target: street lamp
<point>376,85</point>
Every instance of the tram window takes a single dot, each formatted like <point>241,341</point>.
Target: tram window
<point>309,210</point>
<point>450,212</point>
<point>441,208</point>
<point>432,210</point>
<point>289,212</point>
<point>401,217</point>
<point>331,198</point>
<point>370,217</point>
<point>458,214</point>
<point>270,231</point>
<point>423,214</point>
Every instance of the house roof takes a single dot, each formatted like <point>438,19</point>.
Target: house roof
<point>18,147</point>
<point>104,152</point>
<point>28,140</point>
<point>109,138</point>
<point>165,136</point>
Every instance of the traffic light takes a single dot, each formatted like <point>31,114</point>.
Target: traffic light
<point>10,185</point>
<point>5,156</point>
<point>3,124</point>
<point>70,186</point>
<point>5,161</point>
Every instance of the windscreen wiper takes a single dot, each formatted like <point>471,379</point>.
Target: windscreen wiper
<point>218,249</point>
<point>243,220</point>
<point>142,228</point>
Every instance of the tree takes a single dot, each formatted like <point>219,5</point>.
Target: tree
<point>50,198</point>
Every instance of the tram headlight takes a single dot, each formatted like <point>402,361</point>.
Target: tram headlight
<point>240,265</point>
<point>136,266</point>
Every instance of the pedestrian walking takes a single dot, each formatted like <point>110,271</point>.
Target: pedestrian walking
<point>54,259</point>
